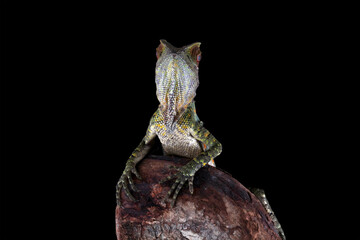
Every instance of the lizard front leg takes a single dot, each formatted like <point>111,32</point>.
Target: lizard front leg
<point>187,172</point>
<point>138,154</point>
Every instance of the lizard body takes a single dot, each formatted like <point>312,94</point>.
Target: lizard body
<point>175,122</point>
<point>181,140</point>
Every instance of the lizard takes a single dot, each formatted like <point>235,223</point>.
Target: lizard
<point>175,122</point>
<point>177,125</point>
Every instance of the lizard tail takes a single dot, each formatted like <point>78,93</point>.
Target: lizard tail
<point>260,194</point>
<point>118,189</point>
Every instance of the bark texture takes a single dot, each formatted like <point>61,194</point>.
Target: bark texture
<point>220,208</point>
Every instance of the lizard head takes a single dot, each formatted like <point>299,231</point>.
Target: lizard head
<point>177,78</point>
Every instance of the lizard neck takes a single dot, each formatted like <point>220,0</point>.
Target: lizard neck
<point>171,114</point>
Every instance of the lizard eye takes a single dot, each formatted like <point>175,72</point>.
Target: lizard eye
<point>159,50</point>
<point>195,53</point>
<point>198,58</point>
<point>158,54</point>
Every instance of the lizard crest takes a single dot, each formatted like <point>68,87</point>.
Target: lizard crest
<point>176,77</point>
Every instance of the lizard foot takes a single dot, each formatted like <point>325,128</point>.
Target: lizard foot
<point>185,173</point>
<point>126,180</point>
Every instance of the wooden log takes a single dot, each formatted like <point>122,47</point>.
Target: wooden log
<point>220,208</point>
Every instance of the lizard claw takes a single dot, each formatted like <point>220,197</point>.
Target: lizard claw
<point>124,182</point>
<point>134,171</point>
<point>167,178</point>
<point>185,173</point>
<point>191,185</point>
<point>171,176</point>
<point>132,185</point>
<point>175,189</point>
<point>171,167</point>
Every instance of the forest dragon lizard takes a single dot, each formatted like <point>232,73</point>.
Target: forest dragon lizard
<point>176,123</point>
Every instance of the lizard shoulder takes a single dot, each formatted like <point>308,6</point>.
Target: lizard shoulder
<point>189,118</point>
<point>156,122</point>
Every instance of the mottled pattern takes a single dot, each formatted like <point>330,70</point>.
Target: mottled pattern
<point>175,123</point>
<point>260,194</point>
<point>179,140</point>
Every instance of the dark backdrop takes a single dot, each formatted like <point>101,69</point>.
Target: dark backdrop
<point>81,90</point>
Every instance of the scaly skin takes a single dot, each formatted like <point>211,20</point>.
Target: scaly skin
<point>175,122</point>
<point>260,194</point>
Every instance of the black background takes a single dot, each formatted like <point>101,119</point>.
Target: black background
<point>80,92</point>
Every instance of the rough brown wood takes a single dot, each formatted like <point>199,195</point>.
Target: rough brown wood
<point>220,208</point>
